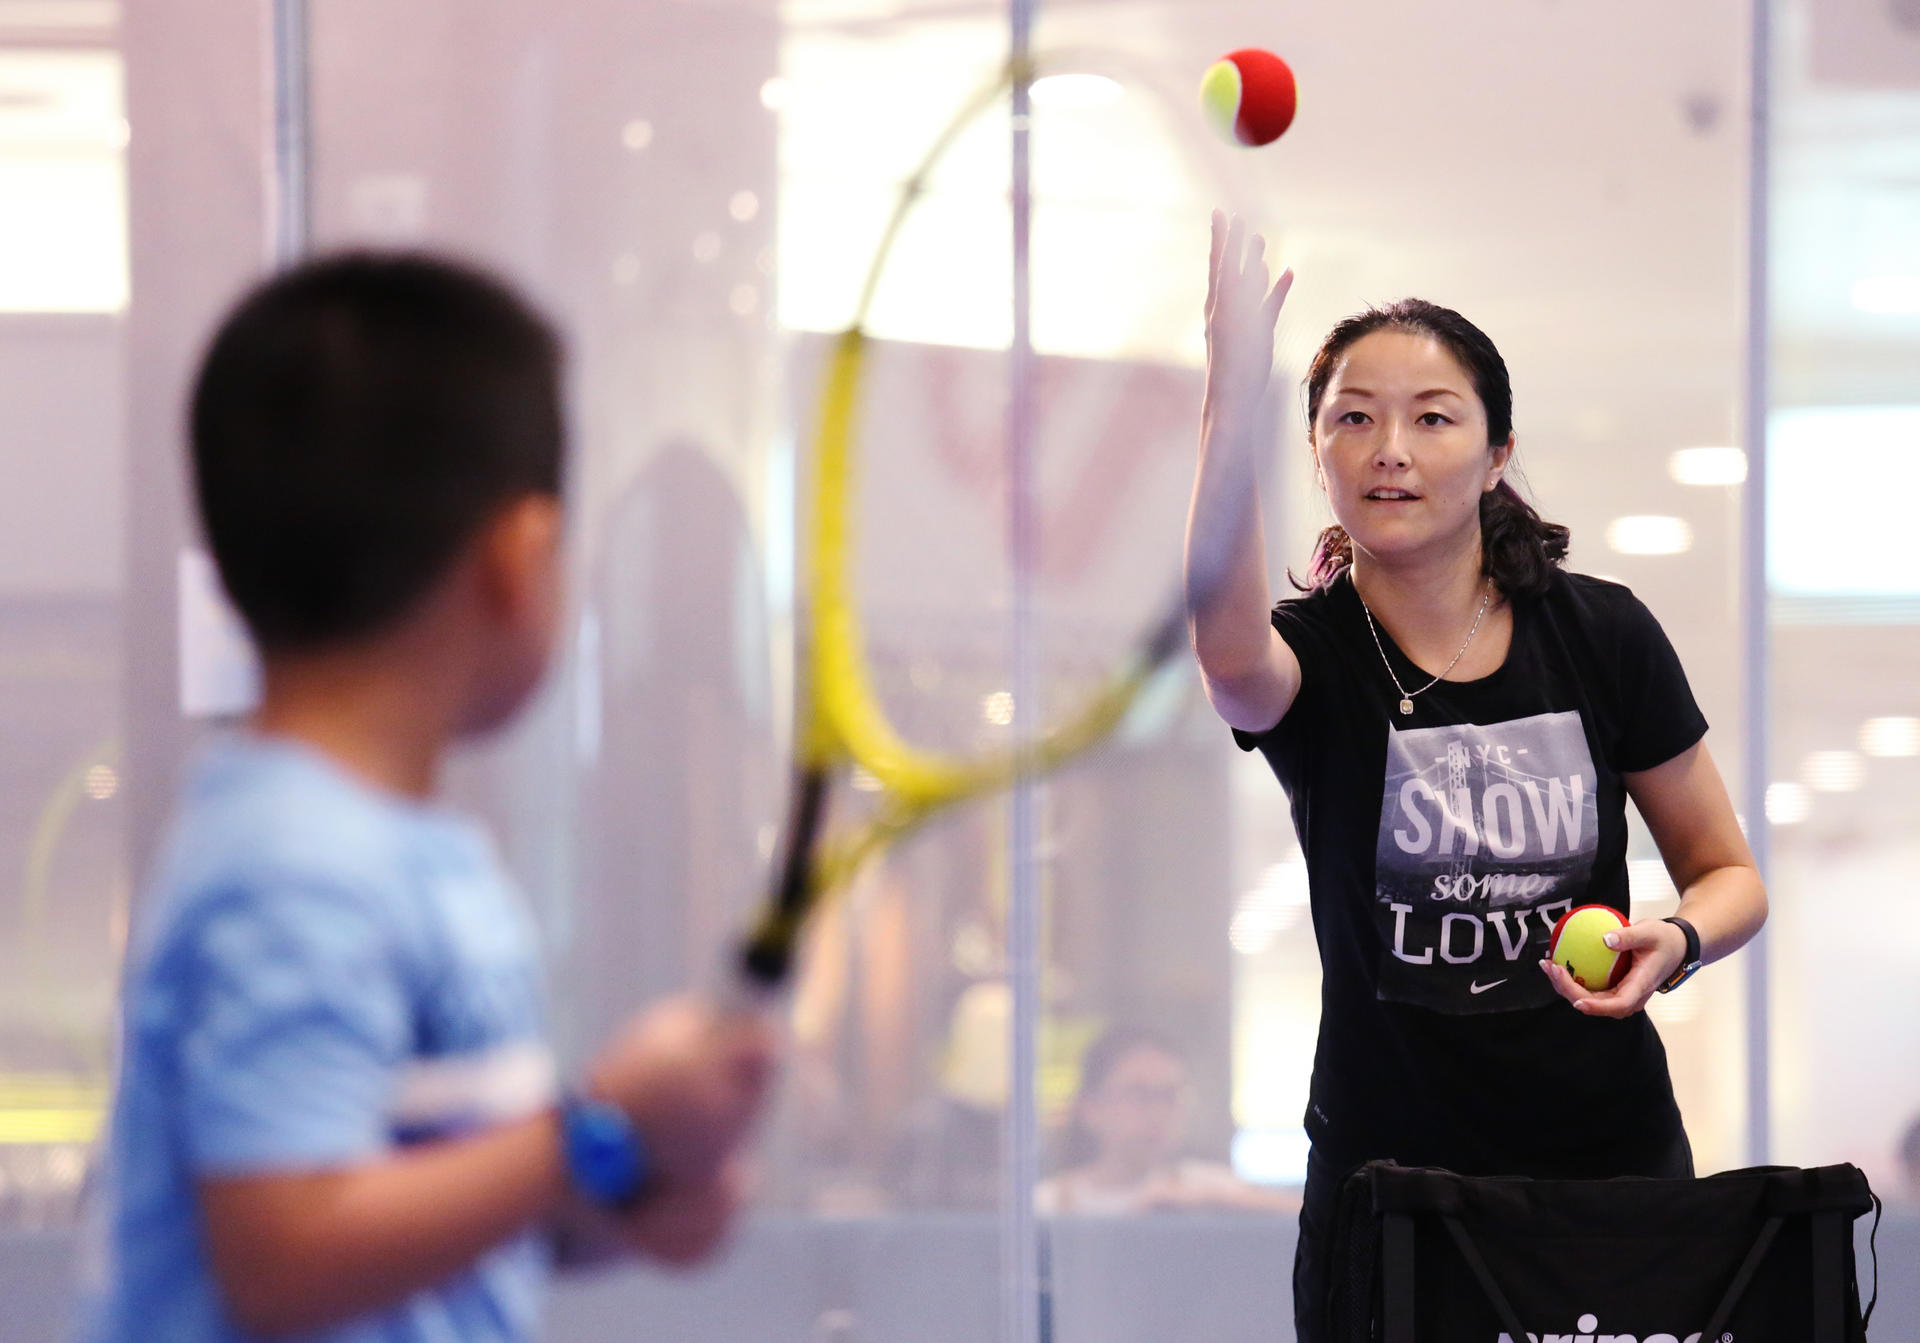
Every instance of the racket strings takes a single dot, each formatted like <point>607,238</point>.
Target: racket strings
<point>843,723</point>
<point>847,715</point>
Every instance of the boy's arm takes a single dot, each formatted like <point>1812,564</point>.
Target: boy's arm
<point>294,1250</point>
<point>298,1251</point>
<point>286,1012</point>
<point>676,1225</point>
<point>289,1024</point>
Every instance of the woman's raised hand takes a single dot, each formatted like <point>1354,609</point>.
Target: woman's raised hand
<point>1241,315</point>
<point>1250,674</point>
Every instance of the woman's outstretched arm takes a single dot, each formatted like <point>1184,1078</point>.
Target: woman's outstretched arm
<point>1250,674</point>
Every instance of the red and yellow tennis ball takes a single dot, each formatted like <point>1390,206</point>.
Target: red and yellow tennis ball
<point>1578,945</point>
<point>1249,96</point>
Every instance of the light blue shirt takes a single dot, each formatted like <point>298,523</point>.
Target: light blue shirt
<point>323,973</point>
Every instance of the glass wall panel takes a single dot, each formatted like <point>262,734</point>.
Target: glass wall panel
<point>1845,599</point>
<point>584,158</point>
<point>63,815</point>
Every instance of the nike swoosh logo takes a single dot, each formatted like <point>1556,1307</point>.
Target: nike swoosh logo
<point>1482,988</point>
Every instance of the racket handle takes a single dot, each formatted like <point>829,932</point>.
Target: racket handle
<point>766,956</point>
<point>742,993</point>
<point>764,961</point>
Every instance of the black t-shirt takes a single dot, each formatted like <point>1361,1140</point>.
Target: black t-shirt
<point>1441,846</point>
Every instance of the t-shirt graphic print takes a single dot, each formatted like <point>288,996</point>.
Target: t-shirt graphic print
<point>1487,836</point>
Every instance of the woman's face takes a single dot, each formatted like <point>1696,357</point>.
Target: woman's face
<point>1401,442</point>
<point>1138,1113</point>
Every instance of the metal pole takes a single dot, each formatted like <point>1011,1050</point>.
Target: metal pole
<point>290,206</point>
<point>1021,1250</point>
<point>1753,546</point>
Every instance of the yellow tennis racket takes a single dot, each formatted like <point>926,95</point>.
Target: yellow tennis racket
<point>840,722</point>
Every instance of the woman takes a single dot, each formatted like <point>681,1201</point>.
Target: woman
<point>1125,1136</point>
<point>1458,723</point>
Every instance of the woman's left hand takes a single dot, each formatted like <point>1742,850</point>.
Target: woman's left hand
<point>1656,947</point>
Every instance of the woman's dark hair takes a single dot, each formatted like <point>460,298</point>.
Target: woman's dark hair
<point>354,423</point>
<point>1105,1054</point>
<point>1520,549</point>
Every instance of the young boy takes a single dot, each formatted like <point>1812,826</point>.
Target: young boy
<point>336,1114</point>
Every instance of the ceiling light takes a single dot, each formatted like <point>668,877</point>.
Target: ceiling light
<point>776,93</point>
<point>1249,936</point>
<point>997,708</point>
<point>1668,1009</point>
<point>1788,803</point>
<point>1887,293</point>
<point>1648,881</point>
<point>1649,534</point>
<point>1817,459</point>
<point>1275,1156</point>
<point>637,135</point>
<point>1834,771</point>
<point>1075,91</point>
<point>1890,737</point>
<point>1708,466</point>
<point>1270,908</point>
<point>102,15</point>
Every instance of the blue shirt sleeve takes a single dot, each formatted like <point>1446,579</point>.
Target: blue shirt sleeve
<point>292,1021</point>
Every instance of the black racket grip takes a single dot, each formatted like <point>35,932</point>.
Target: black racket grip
<point>766,956</point>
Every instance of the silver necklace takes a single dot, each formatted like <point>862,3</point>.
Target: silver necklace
<point>1406,695</point>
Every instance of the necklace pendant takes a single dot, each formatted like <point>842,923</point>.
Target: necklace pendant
<point>1406,704</point>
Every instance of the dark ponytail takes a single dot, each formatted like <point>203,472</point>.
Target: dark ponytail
<point>1519,548</point>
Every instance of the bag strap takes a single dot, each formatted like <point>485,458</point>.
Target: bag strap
<point>1741,1280</point>
<point>1471,1253</point>
<point>1873,1250</point>
<point>1353,1243</point>
<point>1396,1277</point>
<point>1831,1232</point>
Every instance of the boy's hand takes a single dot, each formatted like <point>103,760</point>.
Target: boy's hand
<point>693,1079</point>
<point>683,1224</point>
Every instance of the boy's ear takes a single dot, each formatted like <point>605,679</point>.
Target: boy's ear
<point>518,556</point>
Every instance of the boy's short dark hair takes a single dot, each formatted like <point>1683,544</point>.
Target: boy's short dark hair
<point>355,421</point>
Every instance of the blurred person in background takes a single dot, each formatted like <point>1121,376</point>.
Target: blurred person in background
<point>1126,1133</point>
<point>1910,1164</point>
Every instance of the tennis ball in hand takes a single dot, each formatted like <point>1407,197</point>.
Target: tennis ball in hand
<point>1249,96</point>
<point>1577,945</point>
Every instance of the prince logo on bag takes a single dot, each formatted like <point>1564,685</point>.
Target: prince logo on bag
<point>1586,1332</point>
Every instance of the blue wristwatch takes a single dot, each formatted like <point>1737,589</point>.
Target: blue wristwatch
<point>606,1157</point>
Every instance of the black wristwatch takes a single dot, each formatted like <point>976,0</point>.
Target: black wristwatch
<point>1688,963</point>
